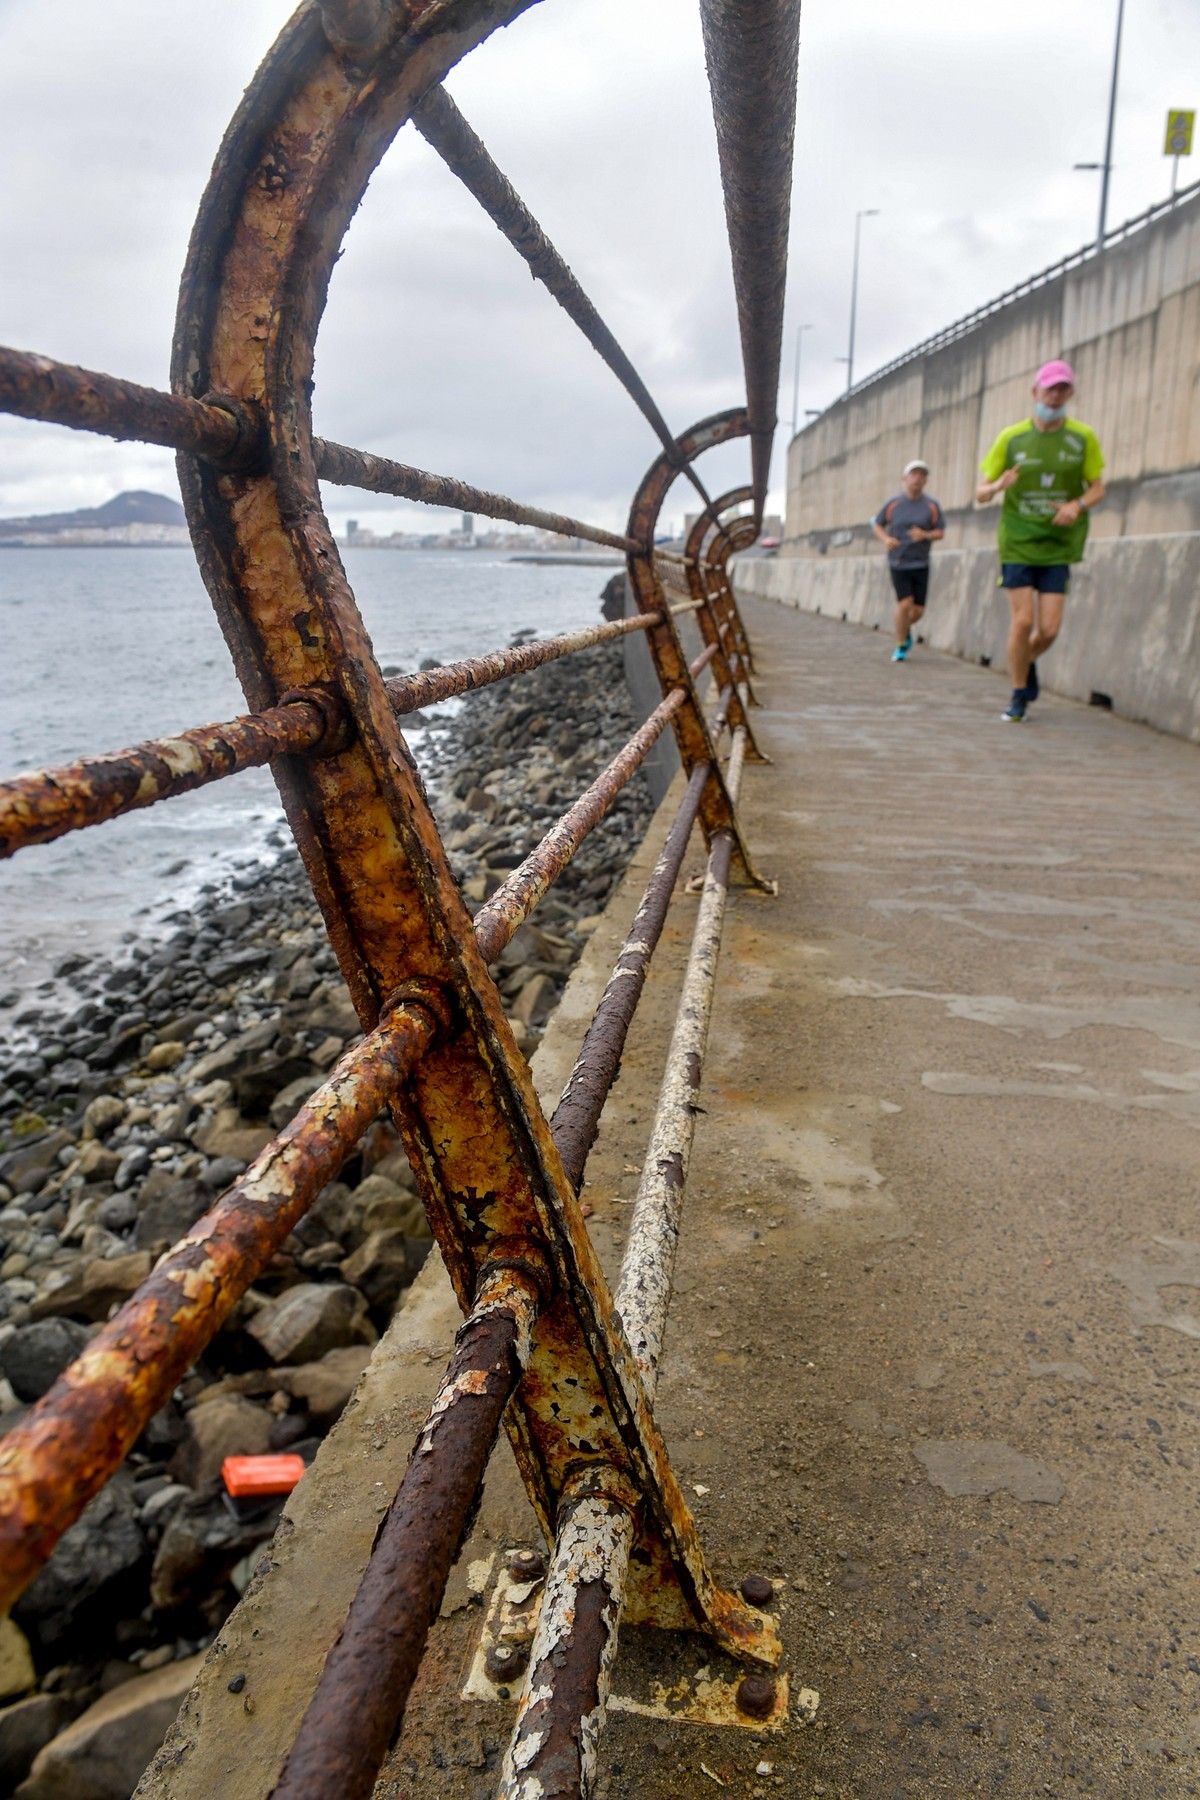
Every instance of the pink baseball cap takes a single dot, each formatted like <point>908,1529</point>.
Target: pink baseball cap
<point>1054,374</point>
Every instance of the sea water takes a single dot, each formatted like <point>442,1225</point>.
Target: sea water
<point>100,649</point>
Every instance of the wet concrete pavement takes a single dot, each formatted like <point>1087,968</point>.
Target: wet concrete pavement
<point>957,1066</point>
<point>932,1362</point>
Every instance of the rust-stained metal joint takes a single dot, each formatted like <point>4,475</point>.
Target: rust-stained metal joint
<point>504,1662</point>
<point>429,997</point>
<point>338,734</point>
<point>355,30</point>
<point>525,1564</point>
<point>248,452</point>
<point>514,1256</point>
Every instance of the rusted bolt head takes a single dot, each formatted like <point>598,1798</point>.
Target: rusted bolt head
<point>756,1696</point>
<point>757,1590</point>
<point>526,1565</point>
<point>505,1661</point>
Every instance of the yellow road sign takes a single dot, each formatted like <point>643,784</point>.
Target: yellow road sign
<point>1180,130</point>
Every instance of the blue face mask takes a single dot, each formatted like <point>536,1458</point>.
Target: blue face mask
<point>1048,415</point>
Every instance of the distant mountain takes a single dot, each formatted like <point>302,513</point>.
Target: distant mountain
<point>135,507</point>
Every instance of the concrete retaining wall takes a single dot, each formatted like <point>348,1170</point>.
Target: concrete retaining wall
<point>1129,322</point>
<point>1131,630</point>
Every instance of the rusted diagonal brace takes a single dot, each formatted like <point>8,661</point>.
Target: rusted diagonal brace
<point>552,1751</point>
<point>366,1678</point>
<point>228,433</point>
<point>741,535</point>
<point>67,1446</point>
<point>378,475</point>
<point>576,1118</point>
<point>36,809</point>
<point>500,918</point>
<point>443,127</point>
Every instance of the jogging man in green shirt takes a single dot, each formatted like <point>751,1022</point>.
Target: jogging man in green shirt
<point>1048,468</point>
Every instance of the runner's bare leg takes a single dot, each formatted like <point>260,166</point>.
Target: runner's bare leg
<point>1020,631</point>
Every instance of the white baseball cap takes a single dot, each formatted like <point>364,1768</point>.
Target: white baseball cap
<point>916,464</point>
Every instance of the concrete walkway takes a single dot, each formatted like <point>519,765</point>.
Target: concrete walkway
<point>932,1362</point>
<point>943,1238</point>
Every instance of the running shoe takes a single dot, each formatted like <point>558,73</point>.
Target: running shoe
<point>1032,685</point>
<point>900,653</point>
<point>1014,712</point>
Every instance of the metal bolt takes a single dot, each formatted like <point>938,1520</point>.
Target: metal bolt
<point>504,1661</point>
<point>756,1696</point>
<point>526,1565</point>
<point>756,1590</point>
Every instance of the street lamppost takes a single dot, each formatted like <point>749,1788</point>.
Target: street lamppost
<point>1105,168</point>
<point>800,330</point>
<point>868,212</point>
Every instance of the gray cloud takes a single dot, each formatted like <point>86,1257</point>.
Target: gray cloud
<point>960,124</point>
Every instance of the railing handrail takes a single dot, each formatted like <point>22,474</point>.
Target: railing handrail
<point>949,334</point>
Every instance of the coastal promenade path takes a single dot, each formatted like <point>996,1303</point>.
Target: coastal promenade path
<point>932,1358</point>
<point>942,1236</point>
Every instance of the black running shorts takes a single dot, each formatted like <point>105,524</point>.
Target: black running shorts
<point>911,584</point>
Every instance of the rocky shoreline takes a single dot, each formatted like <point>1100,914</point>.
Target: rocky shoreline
<point>168,1073</point>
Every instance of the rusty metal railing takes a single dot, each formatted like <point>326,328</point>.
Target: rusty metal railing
<point>568,1367</point>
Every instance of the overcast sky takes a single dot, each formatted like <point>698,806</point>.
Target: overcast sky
<point>959,122</point>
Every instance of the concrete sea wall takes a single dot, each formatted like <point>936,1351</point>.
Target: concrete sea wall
<point>1131,632</point>
<point>1128,319</point>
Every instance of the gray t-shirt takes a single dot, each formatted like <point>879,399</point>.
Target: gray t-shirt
<point>896,515</point>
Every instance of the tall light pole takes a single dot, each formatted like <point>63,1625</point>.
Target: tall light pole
<point>1106,166</point>
<point>868,212</point>
<point>800,330</point>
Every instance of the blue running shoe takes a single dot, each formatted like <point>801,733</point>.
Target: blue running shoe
<point>900,653</point>
<point>1014,712</point>
<point>1033,686</point>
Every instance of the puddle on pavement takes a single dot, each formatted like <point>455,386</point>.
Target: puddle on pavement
<point>1146,1276</point>
<point>1060,1371</point>
<point>831,1151</point>
<point>1172,1018</point>
<point>963,1466</point>
<point>1182,1103</point>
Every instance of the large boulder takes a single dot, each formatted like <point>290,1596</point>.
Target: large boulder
<point>324,1387</point>
<point>103,1755</point>
<point>167,1212</point>
<point>26,1728</point>
<point>16,1664</point>
<point>380,1269</point>
<point>102,1545</point>
<point>35,1356</point>
<point>311,1319</point>
<point>227,1426</point>
<point>91,1289</point>
<point>202,1542</point>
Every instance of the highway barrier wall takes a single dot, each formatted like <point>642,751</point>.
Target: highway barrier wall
<point>1131,630</point>
<point>1127,318</point>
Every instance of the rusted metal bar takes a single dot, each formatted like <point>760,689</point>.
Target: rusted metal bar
<point>685,606</point>
<point>36,387</point>
<point>720,719</point>
<point>708,580</point>
<point>741,535</point>
<point>699,663</point>
<point>647,1265</point>
<point>576,1118</point>
<point>36,809</point>
<point>499,918</point>
<point>227,432</point>
<point>366,1678</point>
<point>408,692</point>
<point>443,127</point>
<point>379,475</point>
<point>551,1754</point>
<point>68,1444</point>
<point>751,50</point>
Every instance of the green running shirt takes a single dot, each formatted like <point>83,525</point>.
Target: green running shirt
<point>1055,466</point>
